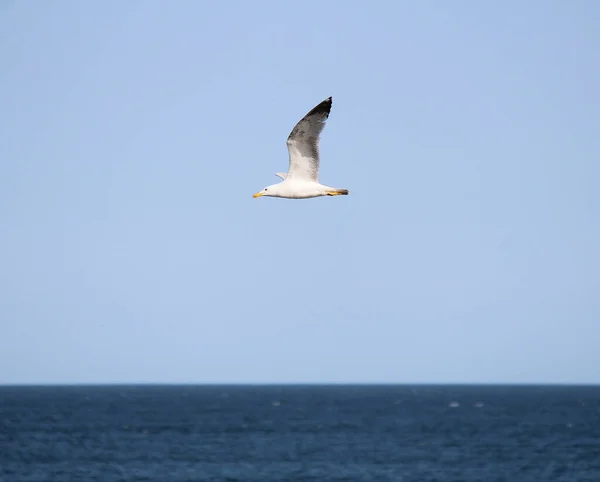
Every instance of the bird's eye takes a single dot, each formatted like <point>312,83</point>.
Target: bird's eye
<point>266,189</point>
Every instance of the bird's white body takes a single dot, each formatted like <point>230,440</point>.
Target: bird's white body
<point>300,189</point>
<point>301,180</point>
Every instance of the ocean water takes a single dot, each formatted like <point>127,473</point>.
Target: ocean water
<point>300,433</point>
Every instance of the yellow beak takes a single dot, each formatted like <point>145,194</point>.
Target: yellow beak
<point>258,194</point>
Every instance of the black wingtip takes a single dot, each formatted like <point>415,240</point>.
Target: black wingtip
<point>322,108</point>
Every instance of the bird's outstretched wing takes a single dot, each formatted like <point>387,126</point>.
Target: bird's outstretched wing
<point>303,143</point>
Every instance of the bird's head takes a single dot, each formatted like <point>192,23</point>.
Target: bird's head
<point>267,191</point>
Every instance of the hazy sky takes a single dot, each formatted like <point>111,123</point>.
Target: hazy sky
<point>133,135</point>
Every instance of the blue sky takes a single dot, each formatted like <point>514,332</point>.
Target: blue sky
<point>133,134</point>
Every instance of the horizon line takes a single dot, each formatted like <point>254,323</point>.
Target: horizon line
<point>303,384</point>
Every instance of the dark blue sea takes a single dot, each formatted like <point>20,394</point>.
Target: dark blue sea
<point>300,433</point>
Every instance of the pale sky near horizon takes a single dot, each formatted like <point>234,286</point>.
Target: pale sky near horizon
<point>133,135</point>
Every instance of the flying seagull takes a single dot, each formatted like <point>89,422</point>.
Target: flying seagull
<point>301,182</point>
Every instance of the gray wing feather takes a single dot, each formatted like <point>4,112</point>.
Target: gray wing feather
<point>303,143</point>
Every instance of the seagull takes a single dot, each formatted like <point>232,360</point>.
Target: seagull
<point>300,182</point>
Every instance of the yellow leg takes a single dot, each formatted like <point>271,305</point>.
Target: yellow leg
<point>338,192</point>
